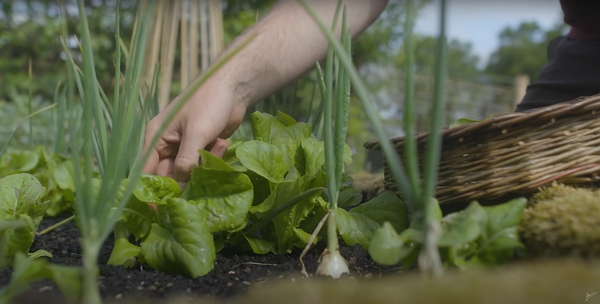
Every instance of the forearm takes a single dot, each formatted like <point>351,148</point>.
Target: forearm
<point>287,43</point>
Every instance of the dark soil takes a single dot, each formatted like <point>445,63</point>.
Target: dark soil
<point>233,273</point>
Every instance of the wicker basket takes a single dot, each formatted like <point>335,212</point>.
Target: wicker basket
<point>515,153</point>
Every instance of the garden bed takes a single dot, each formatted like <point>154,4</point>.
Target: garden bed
<point>250,278</point>
<point>233,274</point>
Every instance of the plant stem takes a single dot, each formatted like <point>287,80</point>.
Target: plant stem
<point>332,237</point>
<point>410,143</point>
<point>390,153</point>
<point>59,224</point>
<point>90,291</point>
<point>430,260</point>
<point>30,104</point>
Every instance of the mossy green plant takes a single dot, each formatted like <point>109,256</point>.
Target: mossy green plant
<point>552,191</point>
<point>563,221</point>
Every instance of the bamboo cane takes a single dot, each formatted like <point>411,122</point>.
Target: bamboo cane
<point>204,34</point>
<point>185,44</point>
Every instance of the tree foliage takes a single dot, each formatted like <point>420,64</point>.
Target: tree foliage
<point>31,30</point>
<point>522,49</point>
<point>462,62</point>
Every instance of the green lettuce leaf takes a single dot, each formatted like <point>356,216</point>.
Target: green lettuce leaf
<point>18,240</point>
<point>23,161</point>
<point>285,119</point>
<point>21,194</point>
<point>314,155</point>
<point>20,199</point>
<point>285,222</point>
<point>260,246</point>
<point>124,253</point>
<point>389,248</point>
<point>264,126</point>
<point>349,198</point>
<point>138,217</point>
<point>40,253</point>
<point>184,245</point>
<point>153,189</point>
<point>500,235</point>
<point>289,140</point>
<point>358,225</point>
<point>462,227</point>
<point>63,175</point>
<point>264,159</point>
<point>222,196</point>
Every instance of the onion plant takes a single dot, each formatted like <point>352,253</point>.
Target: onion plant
<point>418,200</point>
<point>112,142</point>
<point>336,102</point>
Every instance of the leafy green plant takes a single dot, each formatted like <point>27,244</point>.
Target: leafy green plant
<point>419,200</point>
<point>54,172</point>
<point>474,236</point>
<point>561,220</point>
<point>332,263</point>
<point>20,204</point>
<point>266,195</point>
<point>26,271</point>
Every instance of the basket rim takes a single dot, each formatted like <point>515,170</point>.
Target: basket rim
<point>537,116</point>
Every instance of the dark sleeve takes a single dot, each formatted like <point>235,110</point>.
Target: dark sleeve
<point>582,15</point>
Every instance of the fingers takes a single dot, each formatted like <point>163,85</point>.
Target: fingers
<point>165,167</point>
<point>187,158</point>
<point>151,164</point>
<point>219,147</point>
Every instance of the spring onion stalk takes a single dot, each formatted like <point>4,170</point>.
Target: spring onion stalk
<point>332,263</point>
<point>310,103</point>
<point>361,91</point>
<point>30,103</point>
<point>97,211</point>
<point>408,122</point>
<point>318,117</point>
<point>429,259</point>
<point>59,116</point>
<point>68,94</point>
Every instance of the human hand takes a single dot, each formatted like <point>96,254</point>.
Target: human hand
<point>211,114</point>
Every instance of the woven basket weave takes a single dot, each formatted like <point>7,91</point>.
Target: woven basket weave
<point>514,153</point>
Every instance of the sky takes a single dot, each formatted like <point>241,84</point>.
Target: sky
<point>480,21</point>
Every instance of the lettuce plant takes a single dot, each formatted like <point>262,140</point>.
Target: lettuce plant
<point>22,207</point>
<point>54,172</point>
<point>474,236</point>
<point>266,195</point>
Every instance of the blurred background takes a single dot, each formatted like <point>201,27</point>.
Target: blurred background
<point>495,49</point>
